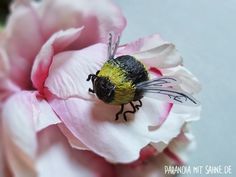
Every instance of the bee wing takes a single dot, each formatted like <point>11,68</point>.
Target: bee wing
<point>158,82</point>
<point>165,88</point>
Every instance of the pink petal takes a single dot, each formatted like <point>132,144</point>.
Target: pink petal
<point>4,63</point>
<point>153,167</point>
<point>188,82</point>
<point>21,115</point>
<point>7,88</point>
<point>28,157</point>
<point>69,71</point>
<point>175,154</point>
<point>22,25</point>
<point>46,116</point>
<point>94,125</point>
<point>54,45</point>
<point>2,159</point>
<point>171,128</point>
<point>57,158</point>
<point>98,17</point>
<point>181,147</point>
<point>153,51</point>
<point>20,138</point>
<point>73,141</point>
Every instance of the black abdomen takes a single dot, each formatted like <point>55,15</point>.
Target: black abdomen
<point>134,69</point>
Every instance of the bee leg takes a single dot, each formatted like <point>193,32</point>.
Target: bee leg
<point>140,105</point>
<point>97,72</point>
<point>126,112</point>
<point>91,76</point>
<point>120,112</point>
<point>91,90</point>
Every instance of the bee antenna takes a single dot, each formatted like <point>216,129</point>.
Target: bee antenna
<point>112,48</point>
<point>116,46</point>
<point>109,47</point>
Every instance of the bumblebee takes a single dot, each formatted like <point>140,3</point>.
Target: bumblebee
<point>124,80</point>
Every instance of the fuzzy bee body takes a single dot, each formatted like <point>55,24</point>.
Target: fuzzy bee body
<point>124,73</point>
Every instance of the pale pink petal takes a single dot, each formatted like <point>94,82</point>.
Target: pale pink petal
<point>152,51</point>
<point>118,141</point>
<point>153,167</point>
<point>177,118</point>
<point>7,87</point>
<point>21,114</point>
<point>73,141</point>
<point>69,71</point>
<point>46,116</point>
<point>19,130</point>
<point>1,158</point>
<point>22,42</point>
<point>4,63</point>
<point>188,82</point>
<point>2,154</point>
<point>54,45</point>
<point>98,17</point>
<point>182,146</point>
<point>145,154</point>
<point>57,158</point>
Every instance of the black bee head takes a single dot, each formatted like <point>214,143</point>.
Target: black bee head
<point>104,89</point>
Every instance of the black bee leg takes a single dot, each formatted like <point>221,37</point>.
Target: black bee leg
<point>90,76</point>
<point>91,90</point>
<point>126,112</point>
<point>120,112</point>
<point>140,105</point>
<point>97,72</point>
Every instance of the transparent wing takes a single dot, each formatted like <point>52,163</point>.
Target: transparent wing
<point>166,88</point>
<point>158,82</point>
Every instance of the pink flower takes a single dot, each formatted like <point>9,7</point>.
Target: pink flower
<point>32,23</point>
<point>52,125</point>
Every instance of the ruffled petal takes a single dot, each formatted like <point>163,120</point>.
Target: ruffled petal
<point>57,158</point>
<point>154,165</point>
<point>188,82</point>
<point>19,130</point>
<point>23,23</point>
<point>69,71</point>
<point>171,128</point>
<point>98,17</point>
<point>54,45</point>
<point>23,114</point>
<point>30,154</point>
<point>152,51</point>
<point>118,141</point>
<point>180,147</point>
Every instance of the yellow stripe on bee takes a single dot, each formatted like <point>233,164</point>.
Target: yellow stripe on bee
<point>125,90</point>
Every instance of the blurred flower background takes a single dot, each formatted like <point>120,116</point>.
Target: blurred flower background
<point>4,9</point>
